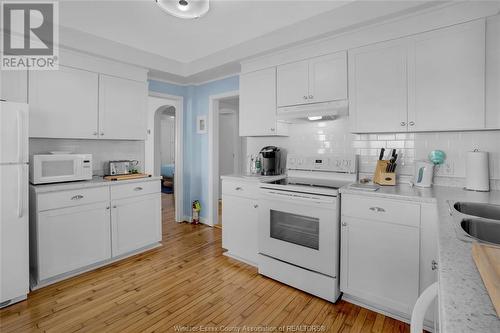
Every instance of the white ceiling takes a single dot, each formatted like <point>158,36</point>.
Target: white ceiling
<point>142,24</point>
<point>138,32</point>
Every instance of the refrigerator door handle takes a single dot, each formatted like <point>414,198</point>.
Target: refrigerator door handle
<point>20,136</point>
<point>20,191</point>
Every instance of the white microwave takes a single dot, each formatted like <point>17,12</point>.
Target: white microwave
<point>58,168</point>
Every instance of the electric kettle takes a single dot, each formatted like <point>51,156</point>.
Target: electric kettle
<point>424,171</point>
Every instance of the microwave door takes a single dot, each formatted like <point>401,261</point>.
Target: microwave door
<point>55,170</point>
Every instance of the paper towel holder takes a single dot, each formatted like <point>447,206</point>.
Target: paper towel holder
<point>476,184</point>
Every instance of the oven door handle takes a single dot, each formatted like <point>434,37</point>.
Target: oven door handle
<point>301,197</point>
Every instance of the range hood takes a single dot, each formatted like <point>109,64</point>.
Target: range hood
<point>314,111</point>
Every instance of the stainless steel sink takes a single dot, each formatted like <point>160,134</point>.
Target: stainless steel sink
<point>487,211</point>
<point>484,230</point>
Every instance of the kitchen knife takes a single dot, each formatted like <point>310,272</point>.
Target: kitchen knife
<point>381,156</point>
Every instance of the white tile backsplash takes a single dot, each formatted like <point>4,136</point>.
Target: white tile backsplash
<point>102,151</point>
<point>334,137</point>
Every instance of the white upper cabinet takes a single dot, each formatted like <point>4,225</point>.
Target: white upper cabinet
<point>493,72</point>
<point>447,84</point>
<point>258,104</point>
<point>378,96</point>
<point>328,78</point>
<point>14,86</point>
<point>122,108</point>
<point>63,103</point>
<point>293,83</point>
<point>433,81</point>
<point>314,80</point>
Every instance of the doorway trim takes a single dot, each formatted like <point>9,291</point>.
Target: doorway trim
<point>213,151</point>
<point>178,103</point>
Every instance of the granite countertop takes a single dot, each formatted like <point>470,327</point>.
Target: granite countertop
<point>94,182</point>
<point>253,178</point>
<point>464,304</point>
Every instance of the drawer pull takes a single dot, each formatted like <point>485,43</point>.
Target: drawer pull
<point>434,265</point>
<point>138,188</point>
<point>377,209</point>
<point>239,188</point>
<point>255,206</point>
<point>77,197</point>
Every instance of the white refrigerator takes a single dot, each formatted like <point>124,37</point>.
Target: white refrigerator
<point>14,238</point>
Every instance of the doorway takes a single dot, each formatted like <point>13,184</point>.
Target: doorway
<point>226,149</point>
<point>163,148</point>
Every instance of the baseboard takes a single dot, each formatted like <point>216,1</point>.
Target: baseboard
<point>373,307</point>
<point>202,220</point>
<point>40,284</point>
<point>248,262</point>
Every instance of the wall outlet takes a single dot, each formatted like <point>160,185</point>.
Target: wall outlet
<point>445,169</point>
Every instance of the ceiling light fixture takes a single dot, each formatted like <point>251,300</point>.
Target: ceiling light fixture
<point>186,9</point>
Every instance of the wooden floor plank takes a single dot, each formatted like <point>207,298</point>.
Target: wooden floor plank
<point>186,282</point>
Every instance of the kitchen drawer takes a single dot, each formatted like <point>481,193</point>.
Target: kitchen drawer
<point>240,189</point>
<point>61,199</point>
<point>379,209</point>
<point>134,189</point>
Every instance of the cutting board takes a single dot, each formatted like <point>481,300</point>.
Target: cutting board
<point>487,259</point>
<point>126,177</point>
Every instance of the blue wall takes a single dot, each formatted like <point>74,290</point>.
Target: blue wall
<point>195,145</point>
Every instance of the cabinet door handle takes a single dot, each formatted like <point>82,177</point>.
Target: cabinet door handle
<point>434,265</point>
<point>102,133</point>
<point>238,188</point>
<point>95,133</point>
<point>403,123</point>
<point>377,209</point>
<point>77,197</point>
<point>114,206</point>
<point>255,206</point>
<point>304,97</point>
<point>272,129</point>
<point>138,188</point>
<point>412,123</point>
<point>107,208</point>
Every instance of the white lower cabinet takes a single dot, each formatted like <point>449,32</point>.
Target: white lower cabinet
<point>387,249</point>
<point>135,222</point>
<point>83,228</point>
<point>70,238</point>
<point>240,222</point>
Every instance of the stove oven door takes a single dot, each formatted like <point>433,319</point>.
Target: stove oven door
<point>300,229</point>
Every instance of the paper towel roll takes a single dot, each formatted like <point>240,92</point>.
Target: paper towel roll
<point>477,171</point>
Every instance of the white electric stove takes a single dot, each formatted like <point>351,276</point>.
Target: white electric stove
<point>299,223</point>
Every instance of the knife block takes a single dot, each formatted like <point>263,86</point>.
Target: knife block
<point>382,177</point>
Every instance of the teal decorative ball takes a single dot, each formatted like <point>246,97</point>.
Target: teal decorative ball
<point>437,156</point>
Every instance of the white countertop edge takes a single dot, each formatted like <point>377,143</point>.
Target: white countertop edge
<point>252,179</point>
<point>94,182</point>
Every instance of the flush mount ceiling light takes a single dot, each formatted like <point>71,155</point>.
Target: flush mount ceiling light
<point>186,9</point>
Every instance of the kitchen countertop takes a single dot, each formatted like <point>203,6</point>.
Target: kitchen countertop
<point>464,304</point>
<point>253,178</point>
<point>94,182</point>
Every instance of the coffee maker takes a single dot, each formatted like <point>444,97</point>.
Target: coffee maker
<point>270,156</point>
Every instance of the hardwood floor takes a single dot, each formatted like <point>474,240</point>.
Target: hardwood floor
<point>187,283</point>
